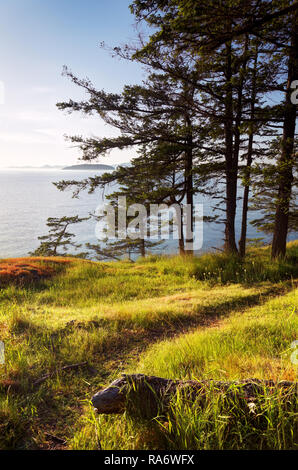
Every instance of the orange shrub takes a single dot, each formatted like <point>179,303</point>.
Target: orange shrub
<point>27,270</point>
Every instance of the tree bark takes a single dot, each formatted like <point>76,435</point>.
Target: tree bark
<point>285,164</point>
<point>189,237</point>
<point>231,165</point>
<point>142,248</point>
<point>181,236</point>
<point>247,172</point>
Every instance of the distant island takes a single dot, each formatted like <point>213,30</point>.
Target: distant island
<point>87,166</point>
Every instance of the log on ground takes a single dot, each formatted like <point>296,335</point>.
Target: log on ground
<point>149,396</point>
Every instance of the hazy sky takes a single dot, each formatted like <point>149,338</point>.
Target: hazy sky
<point>38,37</point>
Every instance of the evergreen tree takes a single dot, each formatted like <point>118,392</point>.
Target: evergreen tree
<point>58,237</point>
<point>265,191</point>
<point>150,179</point>
<point>158,117</point>
<point>286,159</point>
<point>204,107</point>
<point>212,29</point>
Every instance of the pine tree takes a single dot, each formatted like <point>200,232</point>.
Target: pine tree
<point>211,29</point>
<point>203,103</point>
<point>58,237</point>
<point>157,116</point>
<point>265,191</point>
<point>149,179</point>
<point>286,159</point>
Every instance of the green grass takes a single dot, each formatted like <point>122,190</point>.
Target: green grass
<point>231,424</point>
<point>249,344</point>
<point>208,317</point>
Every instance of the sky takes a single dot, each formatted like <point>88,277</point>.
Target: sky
<point>39,37</point>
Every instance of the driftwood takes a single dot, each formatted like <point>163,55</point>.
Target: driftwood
<point>149,395</point>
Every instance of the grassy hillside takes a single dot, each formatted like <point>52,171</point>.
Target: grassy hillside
<point>210,317</point>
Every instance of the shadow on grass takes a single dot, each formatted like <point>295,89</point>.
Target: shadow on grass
<point>126,340</point>
<point>132,336</point>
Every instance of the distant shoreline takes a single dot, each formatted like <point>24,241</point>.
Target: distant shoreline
<point>44,167</point>
<point>87,166</point>
<point>61,167</point>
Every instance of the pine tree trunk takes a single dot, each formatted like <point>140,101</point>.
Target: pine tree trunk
<point>231,165</point>
<point>189,188</point>
<point>181,236</point>
<point>142,248</point>
<point>242,241</point>
<point>181,247</point>
<point>285,164</point>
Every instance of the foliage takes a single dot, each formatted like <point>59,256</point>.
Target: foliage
<point>58,237</point>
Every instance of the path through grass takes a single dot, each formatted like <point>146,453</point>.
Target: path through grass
<point>175,317</point>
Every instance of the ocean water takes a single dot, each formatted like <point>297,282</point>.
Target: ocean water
<point>28,198</point>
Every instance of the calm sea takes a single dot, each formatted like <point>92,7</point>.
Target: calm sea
<point>28,198</point>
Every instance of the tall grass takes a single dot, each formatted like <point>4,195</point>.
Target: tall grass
<point>255,343</point>
<point>230,423</point>
<point>214,311</point>
<point>256,267</point>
